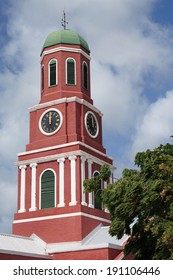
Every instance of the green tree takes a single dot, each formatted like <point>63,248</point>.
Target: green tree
<point>141,204</point>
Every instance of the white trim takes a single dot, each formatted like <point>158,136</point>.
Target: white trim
<point>101,185</point>
<point>61,155</point>
<point>65,49</point>
<point>78,246</point>
<point>64,155</point>
<point>66,100</point>
<point>112,175</point>
<point>73,180</point>
<point>75,214</point>
<point>70,58</point>
<point>90,162</point>
<point>54,186</point>
<point>61,182</point>
<point>25,254</point>
<point>86,115</point>
<point>58,128</point>
<point>56,83</point>
<point>33,186</point>
<point>83,194</point>
<point>22,188</point>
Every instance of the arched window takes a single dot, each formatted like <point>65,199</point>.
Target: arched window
<point>53,72</point>
<point>70,71</point>
<point>42,77</point>
<point>85,75</point>
<point>48,189</point>
<point>97,200</point>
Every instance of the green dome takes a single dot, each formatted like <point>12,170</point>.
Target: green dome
<point>65,36</point>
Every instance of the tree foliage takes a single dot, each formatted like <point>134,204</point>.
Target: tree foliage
<point>141,204</point>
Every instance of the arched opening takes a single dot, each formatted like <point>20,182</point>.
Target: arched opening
<point>85,75</point>
<point>70,71</point>
<point>48,189</point>
<point>42,77</point>
<point>53,72</point>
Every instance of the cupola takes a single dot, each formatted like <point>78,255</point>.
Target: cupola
<point>67,37</point>
<point>65,66</point>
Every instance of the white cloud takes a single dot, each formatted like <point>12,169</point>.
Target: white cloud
<point>118,99</point>
<point>156,126</point>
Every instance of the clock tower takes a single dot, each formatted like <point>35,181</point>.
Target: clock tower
<point>65,147</point>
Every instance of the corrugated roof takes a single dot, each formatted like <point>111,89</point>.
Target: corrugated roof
<point>21,245</point>
<point>101,236</point>
<point>34,246</point>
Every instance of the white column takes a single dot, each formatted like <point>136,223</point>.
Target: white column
<point>61,182</point>
<point>22,188</point>
<point>83,159</point>
<point>73,180</point>
<point>90,162</point>
<point>110,181</point>
<point>105,184</point>
<point>33,186</point>
<point>112,175</point>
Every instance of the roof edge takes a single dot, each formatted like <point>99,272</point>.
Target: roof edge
<point>18,253</point>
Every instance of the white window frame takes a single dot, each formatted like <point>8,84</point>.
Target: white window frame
<point>56,72</point>
<point>74,71</point>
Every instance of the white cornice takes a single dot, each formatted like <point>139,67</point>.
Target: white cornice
<point>62,155</point>
<point>78,246</point>
<point>65,100</point>
<point>65,49</point>
<point>25,254</point>
<point>61,216</point>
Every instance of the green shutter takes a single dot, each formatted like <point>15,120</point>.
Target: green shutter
<point>85,76</point>
<point>70,72</point>
<point>48,190</point>
<point>52,72</point>
<point>42,77</point>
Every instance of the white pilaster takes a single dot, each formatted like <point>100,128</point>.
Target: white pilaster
<point>33,186</point>
<point>112,175</point>
<point>73,180</point>
<point>22,188</point>
<point>61,182</point>
<point>90,162</point>
<point>83,159</point>
<point>105,184</point>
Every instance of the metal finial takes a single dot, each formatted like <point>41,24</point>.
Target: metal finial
<point>63,21</point>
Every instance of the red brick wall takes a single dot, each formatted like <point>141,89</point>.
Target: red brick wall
<point>61,89</point>
<point>73,228</point>
<point>95,254</point>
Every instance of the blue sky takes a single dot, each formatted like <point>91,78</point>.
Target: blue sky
<point>131,45</point>
<point>163,12</point>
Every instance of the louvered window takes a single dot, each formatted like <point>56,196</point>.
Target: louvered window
<point>85,75</point>
<point>97,199</point>
<point>52,72</point>
<point>70,71</point>
<point>48,189</point>
<point>42,77</point>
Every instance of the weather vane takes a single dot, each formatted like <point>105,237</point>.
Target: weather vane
<point>63,21</point>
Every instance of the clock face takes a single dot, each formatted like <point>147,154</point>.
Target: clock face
<point>50,121</point>
<point>91,124</point>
